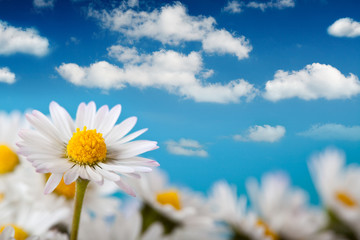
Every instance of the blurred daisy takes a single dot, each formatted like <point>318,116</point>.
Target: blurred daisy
<point>338,187</point>
<point>283,211</point>
<point>9,233</point>
<point>121,227</point>
<point>92,147</point>
<point>32,219</point>
<point>230,209</point>
<point>10,124</point>
<point>178,211</point>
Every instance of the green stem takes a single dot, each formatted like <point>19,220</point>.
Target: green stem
<point>81,185</point>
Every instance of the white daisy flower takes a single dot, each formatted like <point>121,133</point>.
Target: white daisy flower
<point>338,186</point>
<point>8,233</point>
<point>231,209</point>
<point>32,219</point>
<point>283,210</point>
<point>176,209</point>
<point>10,124</point>
<point>121,227</point>
<point>92,147</point>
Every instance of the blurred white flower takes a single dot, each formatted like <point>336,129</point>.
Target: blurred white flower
<point>180,212</point>
<point>283,211</point>
<point>32,219</point>
<point>338,186</point>
<point>232,210</point>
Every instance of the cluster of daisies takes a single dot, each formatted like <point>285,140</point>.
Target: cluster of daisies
<point>43,158</point>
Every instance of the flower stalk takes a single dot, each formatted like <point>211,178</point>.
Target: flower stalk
<point>81,185</point>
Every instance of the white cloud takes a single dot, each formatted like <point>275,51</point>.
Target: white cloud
<point>133,3</point>
<point>16,40</point>
<point>233,7</point>
<point>345,27</point>
<point>313,82</point>
<point>222,42</point>
<point>264,133</point>
<point>333,131</point>
<point>6,76</point>
<point>172,25</point>
<point>186,147</point>
<point>169,70</point>
<point>278,4</point>
<point>43,3</point>
<point>237,7</point>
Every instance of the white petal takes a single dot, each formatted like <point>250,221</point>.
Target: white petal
<point>116,168</point>
<point>109,175</point>
<point>126,188</point>
<point>95,176</point>
<point>83,173</point>
<point>90,113</point>
<point>44,126</point>
<point>62,120</point>
<point>121,130</point>
<point>80,116</point>
<point>52,182</point>
<point>110,120</point>
<point>132,136</point>
<point>136,149</point>
<point>100,116</point>
<point>8,233</point>
<point>71,175</point>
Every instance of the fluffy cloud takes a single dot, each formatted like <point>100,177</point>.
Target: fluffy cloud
<point>345,27</point>
<point>186,147</point>
<point>236,7</point>
<point>169,70</point>
<point>16,40</point>
<point>172,25</point>
<point>43,3</point>
<point>333,131</point>
<point>264,133</point>
<point>233,7</point>
<point>313,82</point>
<point>6,76</point>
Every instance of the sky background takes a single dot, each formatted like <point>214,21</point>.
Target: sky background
<point>229,89</point>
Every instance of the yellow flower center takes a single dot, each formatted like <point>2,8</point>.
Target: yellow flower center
<point>68,191</point>
<point>267,230</point>
<point>8,159</point>
<point>86,147</point>
<point>20,234</point>
<point>2,196</point>
<point>169,198</point>
<point>345,199</point>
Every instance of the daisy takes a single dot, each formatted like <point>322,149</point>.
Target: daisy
<point>121,227</point>
<point>283,211</point>
<point>338,186</point>
<point>177,210</point>
<point>91,148</point>
<point>231,210</point>
<point>10,124</point>
<point>32,219</point>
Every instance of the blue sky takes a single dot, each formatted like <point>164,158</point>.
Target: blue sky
<point>230,89</point>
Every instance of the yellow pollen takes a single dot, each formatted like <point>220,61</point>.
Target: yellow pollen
<point>2,196</point>
<point>8,159</point>
<point>20,234</point>
<point>68,191</point>
<point>169,198</point>
<point>86,147</point>
<point>345,199</point>
<point>267,230</point>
